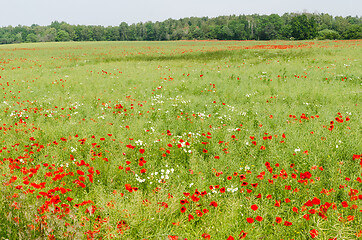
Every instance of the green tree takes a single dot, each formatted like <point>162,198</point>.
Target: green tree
<point>353,32</point>
<point>150,31</point>
<point>32,38</point>
<point>123,31</point>
<point>303,27</point>
<point>328,34</point>
<point>62,36</point>
<point>49,35</point>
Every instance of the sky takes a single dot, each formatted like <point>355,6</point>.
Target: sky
<point>113,12</point>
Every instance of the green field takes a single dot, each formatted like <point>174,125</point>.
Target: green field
<point>181,140</point>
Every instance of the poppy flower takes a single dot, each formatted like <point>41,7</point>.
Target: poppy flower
<point>183,209</point>
<point>306,217</point>
<point>278,219</point>
<point>313,233</point>
<point>250,220</point>
<point>213,203</point>
<point>190,217</point>
<point>254,207</point>
<point>199,213</point>
<point>242,234</point>
<point>206,236</point>
<point>259,218</point>
<point>286,223</point>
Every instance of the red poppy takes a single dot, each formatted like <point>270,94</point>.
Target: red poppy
<point>242,234</point>
<point>254,207</point>
<point>250,220</point>
<point>183,209</point>
<point>206,236</point>
<point>190,217</point>
<point>199,213</point>
<point>278,219</point>
<point>259,218</point>
<point>286,223</point>
<point>344,204</point>
<point>306,217</point>
<point>213,203</point>
<point>313,233</point>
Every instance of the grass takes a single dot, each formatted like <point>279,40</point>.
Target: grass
<point>105,140</point>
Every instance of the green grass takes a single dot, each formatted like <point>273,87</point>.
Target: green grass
<point>69,109</point>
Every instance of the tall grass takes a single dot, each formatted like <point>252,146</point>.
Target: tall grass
<point>90,128</point>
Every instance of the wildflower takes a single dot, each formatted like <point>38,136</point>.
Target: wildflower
<point>259,218</point>
<point>254,207</point>
<point>213,203</point>
<point>250,220</point>
<point>286,223</point>
<point>313,233</point>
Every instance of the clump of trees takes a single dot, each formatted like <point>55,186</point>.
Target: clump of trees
<point>242,27</point>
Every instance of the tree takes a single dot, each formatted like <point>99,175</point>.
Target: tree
<point>328,34</point>
<point>32,38</point>
<point>303,27</point>
<point>123,30</point>
<point>238,29</point>
<point>353,32</point>
<point>49,35</point>
<point>62,36</point>
<point>150,31</point>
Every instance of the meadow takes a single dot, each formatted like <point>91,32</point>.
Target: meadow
<point>181,140</point>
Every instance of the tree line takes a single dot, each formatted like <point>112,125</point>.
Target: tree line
<point>289,26</point>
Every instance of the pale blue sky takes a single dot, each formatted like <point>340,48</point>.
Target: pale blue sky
<point>113,12</point>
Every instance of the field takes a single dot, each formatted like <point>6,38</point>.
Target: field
<point>181,140</point>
